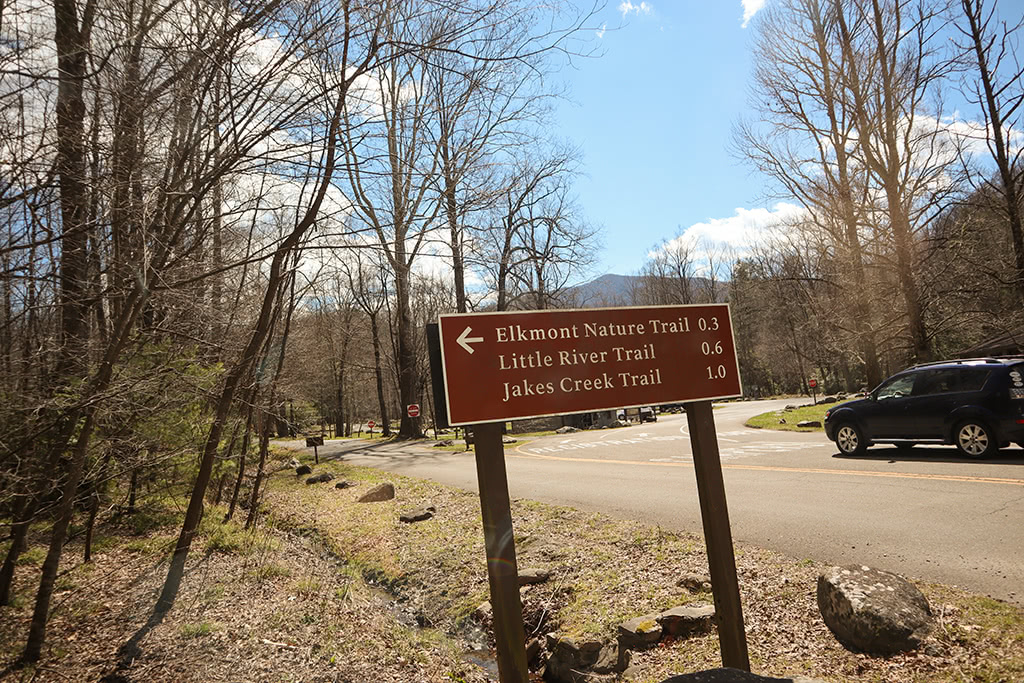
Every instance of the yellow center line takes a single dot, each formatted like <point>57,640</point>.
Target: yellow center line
<point>775,468</point>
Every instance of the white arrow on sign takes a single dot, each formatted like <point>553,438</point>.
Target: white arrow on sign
<point>465,340</point>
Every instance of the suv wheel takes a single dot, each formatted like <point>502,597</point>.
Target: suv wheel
<point>974,439</point>
<point>850,440</point>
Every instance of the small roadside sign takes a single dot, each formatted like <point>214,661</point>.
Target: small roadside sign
<point>413,410</point>
<point>371,424</point>
<point>313,442</point>
<point>812,383</point>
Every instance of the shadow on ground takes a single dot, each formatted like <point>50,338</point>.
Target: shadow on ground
<point>1007,456</point>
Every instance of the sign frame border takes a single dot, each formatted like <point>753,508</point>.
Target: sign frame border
<point>444,364</point>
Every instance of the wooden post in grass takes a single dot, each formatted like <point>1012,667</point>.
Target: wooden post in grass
<point>499,541</point>
<point>715,516</point>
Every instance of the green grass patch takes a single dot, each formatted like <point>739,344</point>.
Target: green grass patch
<point>268,572</point>
<point>230,538</point>
<point>772,419</point>
<point>33,556</point>
<point>192,631</point>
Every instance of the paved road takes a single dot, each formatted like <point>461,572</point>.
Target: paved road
<point>926,513</point>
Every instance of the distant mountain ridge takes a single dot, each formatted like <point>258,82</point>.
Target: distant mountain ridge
<point>617,290</point>
<point>607,290</point>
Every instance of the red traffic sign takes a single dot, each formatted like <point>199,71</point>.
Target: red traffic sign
<point>812,383</point>
<point>512,365</point>
<point>413,410</point>
<point>371,424</point>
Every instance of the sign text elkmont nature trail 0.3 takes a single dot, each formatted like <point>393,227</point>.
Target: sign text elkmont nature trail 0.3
<point>500,366</point>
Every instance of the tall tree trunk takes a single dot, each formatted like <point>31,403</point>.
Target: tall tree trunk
<point>378,371</point>
<point>254,498</point>
<point>241,459</point>
<point>410,426</point>
<point>94,508</point>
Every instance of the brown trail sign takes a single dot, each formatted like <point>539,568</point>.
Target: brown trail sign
<point>502,366</point>
<point>495,367</point>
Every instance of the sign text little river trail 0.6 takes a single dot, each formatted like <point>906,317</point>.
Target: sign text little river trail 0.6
<point>507,365</point>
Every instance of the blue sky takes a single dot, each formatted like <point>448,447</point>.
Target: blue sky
<point>652,115</point>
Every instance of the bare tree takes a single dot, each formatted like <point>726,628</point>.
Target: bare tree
<point>996,85</point>
<point>806,141</point>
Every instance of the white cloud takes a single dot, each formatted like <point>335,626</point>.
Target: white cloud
<point>750,8</point>
<point>740,232</point>
<point>600,33</point>
<point>627,8</point>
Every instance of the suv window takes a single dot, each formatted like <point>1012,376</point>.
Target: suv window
<point>973,379</point>
<point>897,386</point>
<point>950,380</point>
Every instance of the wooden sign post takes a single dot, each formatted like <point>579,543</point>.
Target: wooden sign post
<point>714,515</point>
<point>499,541</point>
<point>496,367</point>
<point>313,442</point>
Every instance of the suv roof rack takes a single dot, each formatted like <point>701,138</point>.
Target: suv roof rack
<point>960,361</point>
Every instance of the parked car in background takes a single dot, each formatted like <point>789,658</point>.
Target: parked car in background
<point>975,404</point>
<point>643,414</point>
<point>647,414</point>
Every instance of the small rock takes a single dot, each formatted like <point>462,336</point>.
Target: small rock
<point>873,611</point>
<point>566,430</point>
<point>640,632</point>
<point>532,650</point>
<point>380,492</point>
<point>809,423</point>
<point>303,469</point>
<point>417,515</point>
<point>446,442</point>
<point>344,484</point>
<point>790,407</point>
<point>507,440</point>
<point>611,659</point>
<point>782,420</point>
<point>320,478</point>
<point>484,612</point>
<point>583,661</point>
<point>828,399</point>
<point>685,621</point>
<point>695,583</point>
<point>527,576</point>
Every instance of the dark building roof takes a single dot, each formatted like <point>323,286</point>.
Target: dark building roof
<point>1010,343</point>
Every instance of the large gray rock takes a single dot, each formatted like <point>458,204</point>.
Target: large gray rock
<point>687,620</point>
<point>303,469</point>
<point>733,676</point>
<point>566,430</point>
<point>378,493</point>
<point>872,610</point>
<point>640,632</point>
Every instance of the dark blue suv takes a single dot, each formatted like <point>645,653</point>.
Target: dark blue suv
<point>977,405</point>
